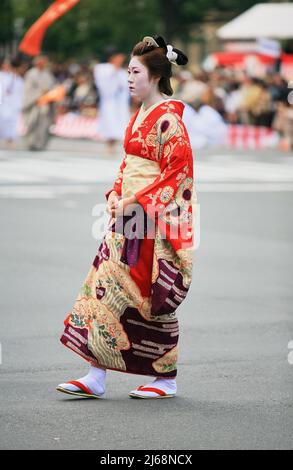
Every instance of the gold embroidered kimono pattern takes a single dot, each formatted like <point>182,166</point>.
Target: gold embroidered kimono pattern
<point>124,317</point>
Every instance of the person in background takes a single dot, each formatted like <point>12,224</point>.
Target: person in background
<point>283,123</point>
<point>114,98</point>
<point>11,96</point>
<point>205,125</point>
<point>190,88</point>
<point>82,94</point>
<point>232,103</point>
<point>37,118</point>
<point>255,102</point>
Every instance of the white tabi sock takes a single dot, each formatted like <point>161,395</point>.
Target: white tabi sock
<point>94,380</point>
<point>167,385</point>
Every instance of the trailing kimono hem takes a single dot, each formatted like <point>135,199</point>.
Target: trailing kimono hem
<point>95,363</point>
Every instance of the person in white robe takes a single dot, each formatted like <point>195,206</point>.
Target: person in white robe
<point>114,98</point>
<point>11,96</point>
<point>205,125</point>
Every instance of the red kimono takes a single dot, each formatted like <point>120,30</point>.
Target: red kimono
<point>124,317</point>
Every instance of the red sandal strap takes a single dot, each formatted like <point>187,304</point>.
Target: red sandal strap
<point>84,388</point>
<point>152,389</point>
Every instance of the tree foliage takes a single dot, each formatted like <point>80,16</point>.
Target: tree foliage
<point>6,21</point>
<point>91,25</point>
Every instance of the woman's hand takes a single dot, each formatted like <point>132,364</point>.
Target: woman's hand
<point>112,202</point>
<point>116,207</point>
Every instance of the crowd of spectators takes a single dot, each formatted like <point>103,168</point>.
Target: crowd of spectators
<point>236,96</point>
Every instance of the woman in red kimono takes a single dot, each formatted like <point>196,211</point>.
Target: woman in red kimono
<point>124,317</point>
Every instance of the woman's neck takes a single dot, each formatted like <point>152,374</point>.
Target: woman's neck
<point>152,99</point>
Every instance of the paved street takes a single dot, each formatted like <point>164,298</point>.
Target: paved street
<point>235,383</point>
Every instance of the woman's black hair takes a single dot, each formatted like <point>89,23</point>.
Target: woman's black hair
<point>182,59</point>
<point>154,56</point>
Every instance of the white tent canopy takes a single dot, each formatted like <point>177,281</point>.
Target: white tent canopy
<point>271,20</point>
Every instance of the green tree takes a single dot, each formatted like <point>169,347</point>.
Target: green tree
<point>6,22</point>
<point>91,25</point>
<point>180,16</point>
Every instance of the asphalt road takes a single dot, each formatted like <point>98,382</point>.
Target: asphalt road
<point>235,383</point>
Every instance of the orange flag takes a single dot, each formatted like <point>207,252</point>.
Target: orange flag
<point>32,41</point>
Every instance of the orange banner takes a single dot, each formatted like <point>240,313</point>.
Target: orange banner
<point>32,41</point>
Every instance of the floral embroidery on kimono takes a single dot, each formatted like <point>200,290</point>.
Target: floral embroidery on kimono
<point>124,317</point>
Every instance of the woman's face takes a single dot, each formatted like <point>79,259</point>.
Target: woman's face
<point>140,85</point>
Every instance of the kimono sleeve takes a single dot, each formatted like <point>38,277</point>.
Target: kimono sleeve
<point>118,181</point>
<point>168,200</point>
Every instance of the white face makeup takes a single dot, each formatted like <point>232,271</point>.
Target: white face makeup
<point>140,86</point>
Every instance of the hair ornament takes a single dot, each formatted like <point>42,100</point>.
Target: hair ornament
<point>172,56</point>
<point>175,56</point>
<point>150,41</point>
